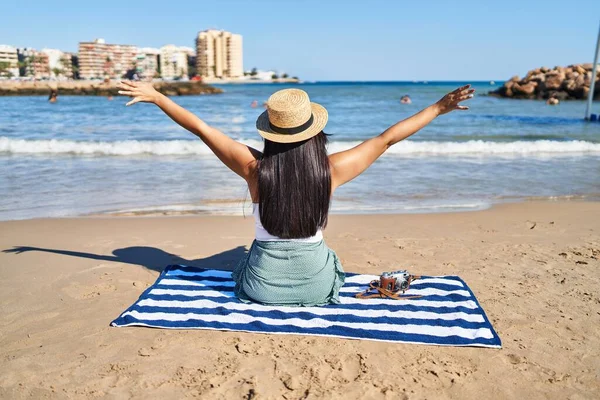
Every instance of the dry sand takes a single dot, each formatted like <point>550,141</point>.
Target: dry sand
<point>533,266</point>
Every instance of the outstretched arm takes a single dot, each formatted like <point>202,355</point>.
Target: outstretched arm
<point>237,156</point>
<point>347,165</point>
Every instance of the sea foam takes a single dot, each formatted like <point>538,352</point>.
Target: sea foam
<point>196,147</point>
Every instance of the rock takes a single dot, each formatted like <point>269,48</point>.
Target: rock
<point>528,76</point>
<point>554,79</point>
<point>538,78</point>
<point>587,66</point>
<point>526,89</point>
<point>508,92</point>
<point>562,83</point>
<point>585,91</point>
<point>569,84</point>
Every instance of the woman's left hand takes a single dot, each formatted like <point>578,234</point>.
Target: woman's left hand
<point>140,91</point>
<point>451,101</point>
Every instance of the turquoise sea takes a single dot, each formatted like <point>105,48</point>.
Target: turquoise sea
<point>87,155</point>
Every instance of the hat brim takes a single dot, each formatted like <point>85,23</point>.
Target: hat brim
<point>320,117</point>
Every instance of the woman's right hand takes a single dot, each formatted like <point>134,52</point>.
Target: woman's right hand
<point>140,91</point>
<point>451,101</point>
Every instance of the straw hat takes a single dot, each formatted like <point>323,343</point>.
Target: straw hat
<point>291,117</point>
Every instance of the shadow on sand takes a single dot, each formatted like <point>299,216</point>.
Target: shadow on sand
<point>149,257</point>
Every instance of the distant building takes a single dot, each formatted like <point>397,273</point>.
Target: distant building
<point>146,62</point>
<point>9,61</point>
<point>25,56</point>
<point>191,60</point>
<point>219,54</point>
<point>98,59</point>
<point>261,75</point>
<point>174,61</point>
<point>59,63</point>
<point>74,64</point>
<point>73,60</point>
<point>33,63</point>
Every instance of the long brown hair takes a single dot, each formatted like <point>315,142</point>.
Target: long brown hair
<point>294,187</point>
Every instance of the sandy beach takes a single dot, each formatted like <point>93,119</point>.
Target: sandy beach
<point>533,266</point>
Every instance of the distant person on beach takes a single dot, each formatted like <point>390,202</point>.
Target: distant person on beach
<point>405,99</point>
<point>254,104</point>
<point>291,182</point>
<point>53,97</point>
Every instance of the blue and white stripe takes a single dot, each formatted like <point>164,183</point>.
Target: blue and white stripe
<point>448,314</point>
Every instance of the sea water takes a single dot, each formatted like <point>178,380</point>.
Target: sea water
<point>85,155</point>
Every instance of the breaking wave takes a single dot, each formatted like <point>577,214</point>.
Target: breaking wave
<point>196,147</point>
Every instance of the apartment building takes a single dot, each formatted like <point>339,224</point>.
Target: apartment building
<point>9,61</point>
<point>99,59</point>
<point>59,63</point>
<point>174,61</point>
<point>32,64</point>
<point>147,62</point>
<point>219,54</point>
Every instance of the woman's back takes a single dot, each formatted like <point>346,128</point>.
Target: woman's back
<point>261,234</point>
<point>292,181</point>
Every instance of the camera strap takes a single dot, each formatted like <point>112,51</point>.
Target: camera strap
<point>377,292</point>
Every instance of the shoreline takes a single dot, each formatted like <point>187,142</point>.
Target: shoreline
<point>533,267</point>
<point>99,88</point>
<point>241,207</point>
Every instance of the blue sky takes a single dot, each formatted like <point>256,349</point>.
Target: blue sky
<point>335,39</point>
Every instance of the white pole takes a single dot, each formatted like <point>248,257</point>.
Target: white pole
<point>588,108</point>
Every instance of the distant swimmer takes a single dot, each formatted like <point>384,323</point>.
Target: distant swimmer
<point>109,98</point>
<point>552,101</point>
<point>53,97</point>
<point>254,104</point>
<point>405,99</point>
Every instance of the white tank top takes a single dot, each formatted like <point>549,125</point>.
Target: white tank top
<point>264,236</point>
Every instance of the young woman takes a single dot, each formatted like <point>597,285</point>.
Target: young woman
<point>291,183</point>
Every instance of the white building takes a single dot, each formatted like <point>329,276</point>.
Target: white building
<point>173,62</point>
<point>261,75</point>
<point>146,62</point>
<point>9,61</point>
<point>59,63</point>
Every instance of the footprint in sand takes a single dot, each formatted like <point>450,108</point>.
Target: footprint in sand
<point>99,266</point>
<point>78,291</point>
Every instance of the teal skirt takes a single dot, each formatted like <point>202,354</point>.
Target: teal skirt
<point>289,273</point>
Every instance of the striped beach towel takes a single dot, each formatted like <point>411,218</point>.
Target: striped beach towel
<point>447,314</point>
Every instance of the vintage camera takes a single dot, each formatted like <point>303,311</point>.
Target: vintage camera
<point>395,281</point>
